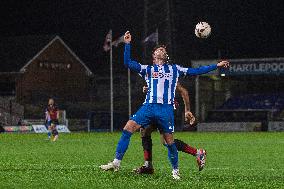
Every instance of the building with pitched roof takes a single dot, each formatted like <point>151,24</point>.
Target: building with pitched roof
<point>34,68</point>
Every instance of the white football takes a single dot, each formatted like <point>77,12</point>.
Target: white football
<point>202,30</point>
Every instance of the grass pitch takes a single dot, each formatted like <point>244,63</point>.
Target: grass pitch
<point>235,160</point>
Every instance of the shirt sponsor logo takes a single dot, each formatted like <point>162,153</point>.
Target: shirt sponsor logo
<point>157,75</point>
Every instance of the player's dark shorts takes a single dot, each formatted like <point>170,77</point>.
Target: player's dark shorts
<point>160,114</point>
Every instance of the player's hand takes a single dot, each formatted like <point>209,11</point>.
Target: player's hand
<point>189,117</point>
<point>223,64</point>
<point>145,89</point>
<point>127,37</point>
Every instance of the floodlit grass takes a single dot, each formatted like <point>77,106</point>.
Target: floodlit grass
<point>235,160</point>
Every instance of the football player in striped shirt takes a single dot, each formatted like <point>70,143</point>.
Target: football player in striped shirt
<point>161,78</point>
<point>200,154</point>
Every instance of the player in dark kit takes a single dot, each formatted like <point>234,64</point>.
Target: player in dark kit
<point>51,119</point>
<point>200,154</point>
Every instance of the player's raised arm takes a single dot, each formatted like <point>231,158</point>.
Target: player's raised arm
<point>203,69</point>
<point>131,64</point>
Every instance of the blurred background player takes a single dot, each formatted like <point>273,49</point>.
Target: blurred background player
<point>51,119</point>
<point>200,154</point>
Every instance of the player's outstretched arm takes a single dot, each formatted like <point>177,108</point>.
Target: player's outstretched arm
<point>131,64</point>
<point>205,69</point>
<point>46,115</point>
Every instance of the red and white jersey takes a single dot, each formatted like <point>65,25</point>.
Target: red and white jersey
<point>51,113</point>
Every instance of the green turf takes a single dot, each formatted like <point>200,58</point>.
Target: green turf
<point>235,160</point>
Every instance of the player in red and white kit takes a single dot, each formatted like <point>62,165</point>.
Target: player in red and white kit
<point>51,119</point>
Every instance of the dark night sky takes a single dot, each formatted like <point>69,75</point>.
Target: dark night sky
<point>240,28</point>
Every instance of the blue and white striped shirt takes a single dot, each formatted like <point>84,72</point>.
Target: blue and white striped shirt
<point>162,79</point>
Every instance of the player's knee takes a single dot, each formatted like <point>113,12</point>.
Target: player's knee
<point>170,142</point>
<point>169,139</point>
<point>131,126</point>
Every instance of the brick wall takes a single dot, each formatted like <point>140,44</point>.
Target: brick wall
<point>54,73</point>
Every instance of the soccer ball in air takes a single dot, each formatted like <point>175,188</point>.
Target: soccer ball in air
<point>202,30</point>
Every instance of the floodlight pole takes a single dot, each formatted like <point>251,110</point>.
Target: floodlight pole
<point>159,15</point>
<point>111,84</point>
<point>129,92</point>
<point>197,97</point>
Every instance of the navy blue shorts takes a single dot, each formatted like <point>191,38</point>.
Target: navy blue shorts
<point>160,114</point>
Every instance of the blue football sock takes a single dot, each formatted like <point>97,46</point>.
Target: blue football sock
<point>122,144</point>
<point>49,134</point>
<point>173,155</point>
